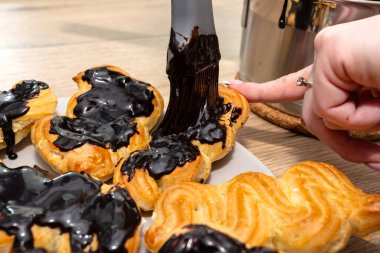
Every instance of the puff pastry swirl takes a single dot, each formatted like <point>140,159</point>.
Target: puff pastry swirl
<point>312,208</point>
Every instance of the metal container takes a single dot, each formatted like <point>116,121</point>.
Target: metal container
<point>278,35</point>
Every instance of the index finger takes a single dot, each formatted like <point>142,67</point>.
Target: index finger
<point>280,90</point>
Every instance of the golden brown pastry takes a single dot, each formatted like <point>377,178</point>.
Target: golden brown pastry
<point>70,213</point>
<point>109,117</point>
<point>312,208</point>
<point>20,107</point>
<point>183,157</point>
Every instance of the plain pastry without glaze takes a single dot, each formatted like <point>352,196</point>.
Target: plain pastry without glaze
<point>312,208</point>
<point>20,107</point>
<point>186,156</point>
<point>109,117</point>
<point>70,213</point>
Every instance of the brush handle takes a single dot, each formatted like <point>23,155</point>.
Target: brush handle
<point>186,14</point>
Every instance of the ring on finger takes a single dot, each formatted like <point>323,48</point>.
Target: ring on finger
<point>303,82</point>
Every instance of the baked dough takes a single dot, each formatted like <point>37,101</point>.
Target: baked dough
<point>40,105</point>
<point>90,158</point>
<point>145,189</point>
<point>88,202</point>
<point>312,208</point>
<point>54,241</point>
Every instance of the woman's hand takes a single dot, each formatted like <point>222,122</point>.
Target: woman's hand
<point>345,92</point>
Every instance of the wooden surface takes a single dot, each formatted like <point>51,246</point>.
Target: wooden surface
<point>53,40</point>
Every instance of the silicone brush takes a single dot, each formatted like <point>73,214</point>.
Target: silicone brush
<point>192,65</point>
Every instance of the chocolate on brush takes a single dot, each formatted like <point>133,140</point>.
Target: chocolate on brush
<point>194,107</point>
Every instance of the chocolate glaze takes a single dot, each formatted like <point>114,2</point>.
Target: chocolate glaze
<point>164,155</point>
<point>235,114</point>
<point>168,152</point>
<point>201,239</point>
<point>105,112</point>
<point>282,20</point>
<point>13,104</point>
<point>113,95</point>
<point>73,133</point>
<point>71,202</point>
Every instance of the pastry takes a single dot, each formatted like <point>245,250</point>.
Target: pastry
<point>109,117</point>
<point>186,156</point>
<point>70,213</point>
<point>200,123</point>
<point>20,107</point>
<point>312,208</point>
<point>200,239</point>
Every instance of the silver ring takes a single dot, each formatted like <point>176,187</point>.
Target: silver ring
<point>303,82</point>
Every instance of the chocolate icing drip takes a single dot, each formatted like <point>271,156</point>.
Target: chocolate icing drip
<point>105,112</point>
<point>164,155</point>
<point>71,202</point>
<point>13,104</point>
<point>74,133</point>
<point>168,152</point>
<point>200,239</point>
<point>235,114</point>
<point>282,20</point>
<point>193,72</point>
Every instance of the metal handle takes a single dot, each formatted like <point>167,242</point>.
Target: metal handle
<point>244,19</point>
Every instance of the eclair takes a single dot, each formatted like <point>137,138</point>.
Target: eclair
<point>108,118</point>
<point>69,213</point>
<point>20,107</point>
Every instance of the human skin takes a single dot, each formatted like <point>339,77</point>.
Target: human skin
<point>345,94</point>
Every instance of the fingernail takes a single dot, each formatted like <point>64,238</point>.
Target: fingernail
<point>232,82</point>
<point>374,166</point>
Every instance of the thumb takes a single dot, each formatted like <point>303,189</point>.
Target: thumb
<point>279,90</point>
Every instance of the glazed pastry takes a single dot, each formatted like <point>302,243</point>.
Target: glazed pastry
<point>20,107</point>
<point>312,208</point>
<point>109,117</point>
<point>70,213</point>
<point>200,239</point>
<point>201,120</point>
<point>186,156</point>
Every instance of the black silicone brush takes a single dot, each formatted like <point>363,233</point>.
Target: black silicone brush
<point>192,65</point>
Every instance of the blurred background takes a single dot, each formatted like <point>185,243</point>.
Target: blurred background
<point>54,40</point>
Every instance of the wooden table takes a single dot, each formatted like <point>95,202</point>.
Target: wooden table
<point>53,40</point>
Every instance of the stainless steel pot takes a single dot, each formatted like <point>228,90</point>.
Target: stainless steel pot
<point>278,35</point>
